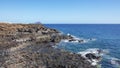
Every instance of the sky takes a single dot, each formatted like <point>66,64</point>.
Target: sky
<point>60,11</point>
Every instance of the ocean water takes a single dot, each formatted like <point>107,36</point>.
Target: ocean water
<point>107,37</point>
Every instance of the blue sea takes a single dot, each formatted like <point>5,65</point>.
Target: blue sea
<point>107,37</point>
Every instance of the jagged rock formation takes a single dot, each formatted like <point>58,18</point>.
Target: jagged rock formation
<point>11,33</point>
<point>30,46</point>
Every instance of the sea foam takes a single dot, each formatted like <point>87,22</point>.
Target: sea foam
<point>77,39</point>
<point>93,55</point>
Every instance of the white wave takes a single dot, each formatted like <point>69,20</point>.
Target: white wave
<point>78,40</point>
<point>73,36</point>
<point>74,41</point>
<point>93,55</point>
<point>96,51</point>
<point>94,62</point>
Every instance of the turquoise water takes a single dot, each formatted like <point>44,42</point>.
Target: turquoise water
<point>108,37</point>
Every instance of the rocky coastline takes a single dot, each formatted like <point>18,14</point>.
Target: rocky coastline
<point>30,46</point>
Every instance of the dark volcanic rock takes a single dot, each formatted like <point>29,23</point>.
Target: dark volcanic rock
<point>44,56</point>
<point>26,46</point>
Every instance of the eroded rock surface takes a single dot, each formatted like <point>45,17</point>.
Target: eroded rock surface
<point>30,46</point>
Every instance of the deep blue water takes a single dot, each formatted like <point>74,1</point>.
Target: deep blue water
<point>107,35</point>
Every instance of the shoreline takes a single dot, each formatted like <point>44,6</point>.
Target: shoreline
<point>39,51</point>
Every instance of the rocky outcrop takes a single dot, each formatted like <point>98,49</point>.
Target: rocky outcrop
<point>31,46</point>
<point>19,33</point>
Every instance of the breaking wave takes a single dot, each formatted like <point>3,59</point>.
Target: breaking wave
<point>77,39</point>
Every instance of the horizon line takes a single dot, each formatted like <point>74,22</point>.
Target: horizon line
<point>54,23</point>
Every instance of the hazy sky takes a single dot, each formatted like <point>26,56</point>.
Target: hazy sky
<point>60,11</point>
